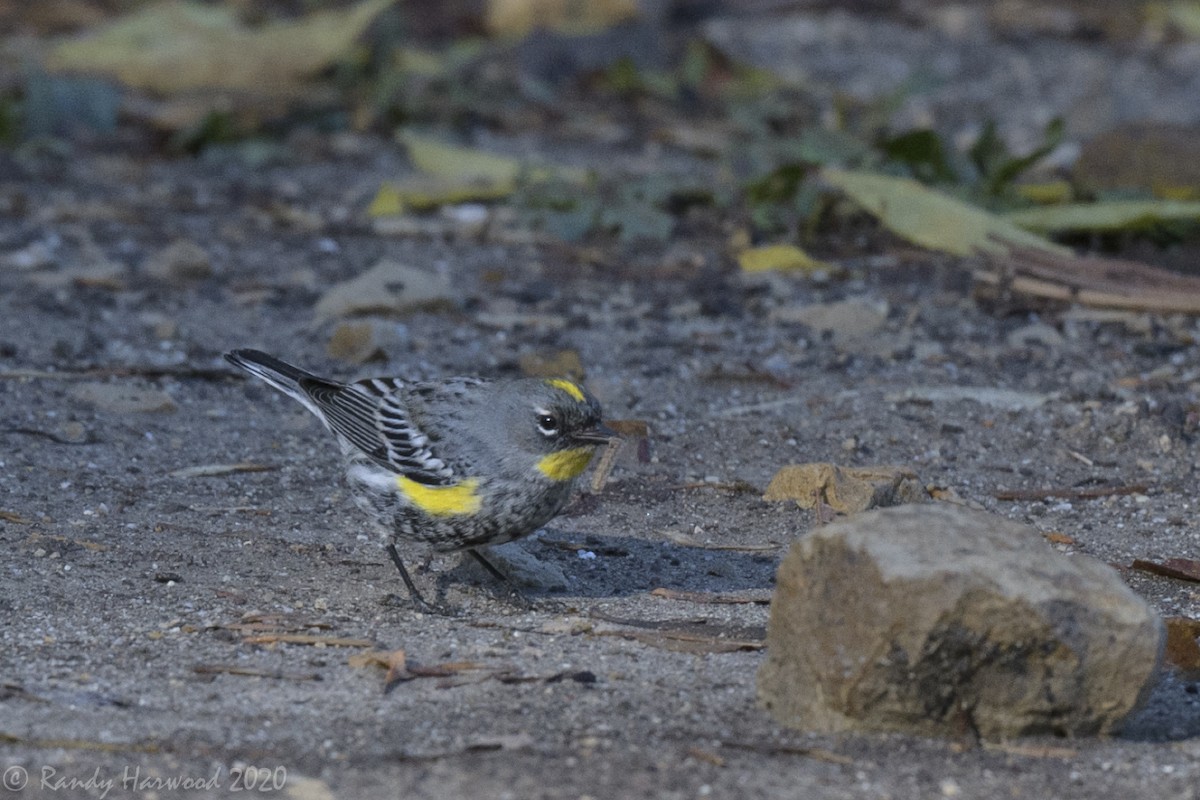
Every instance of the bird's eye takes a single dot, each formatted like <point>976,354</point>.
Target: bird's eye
<point>547,424</point>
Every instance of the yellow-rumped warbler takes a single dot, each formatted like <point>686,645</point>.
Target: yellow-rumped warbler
<point>457,463</point>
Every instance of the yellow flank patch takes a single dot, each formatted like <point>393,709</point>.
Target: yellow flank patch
<point>565,464</point>
<point>571,389</point>
<point>441,501</point>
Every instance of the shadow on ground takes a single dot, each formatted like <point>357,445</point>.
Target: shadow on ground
<point>1170,713</point>
<point>623,566</point>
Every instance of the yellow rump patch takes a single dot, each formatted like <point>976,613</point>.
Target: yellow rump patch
<point>569,388</point>
<point>565,464</point>
<point>441,501</point>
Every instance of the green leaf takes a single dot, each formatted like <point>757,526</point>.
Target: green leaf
<point>1125,215</point>
<point>923,153</point>
<point>931,219</point>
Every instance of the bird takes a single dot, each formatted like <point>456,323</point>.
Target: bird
<point>457,463</point>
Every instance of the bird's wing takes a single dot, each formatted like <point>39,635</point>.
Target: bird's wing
<point>371,416</point>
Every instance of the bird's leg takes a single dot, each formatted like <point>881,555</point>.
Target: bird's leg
<point>419,601</point>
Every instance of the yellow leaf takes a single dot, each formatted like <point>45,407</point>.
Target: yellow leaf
<point>423,194</point>
<point>177,46</point>
<point>442,160</point>
<point>932,219</point>
<point>779,257</point>
<point>462,174</point>
<point>387,202</point>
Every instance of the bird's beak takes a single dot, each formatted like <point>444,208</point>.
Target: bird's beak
<point>601,434</point>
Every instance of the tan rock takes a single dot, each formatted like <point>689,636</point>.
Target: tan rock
<point>121,398</point>
<point>387,288</point>
<point>942,620</point>
<point>181,261</point>
<point>846,490</point>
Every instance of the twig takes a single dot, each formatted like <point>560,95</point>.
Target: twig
<point>254,672</point>
<point>1181,569</point>
<point>712,598</point>
<point>54,437</point>
<point>1032,750</point>
<point>819,753</point>
<point>1070,493</point>
<point>79,744</point>
<point>132,371</point>
<point>306,638</point>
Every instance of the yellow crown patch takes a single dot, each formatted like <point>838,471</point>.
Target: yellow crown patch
<point>568,387</point>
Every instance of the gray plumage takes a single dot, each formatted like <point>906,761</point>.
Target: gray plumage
<point>487,438</point>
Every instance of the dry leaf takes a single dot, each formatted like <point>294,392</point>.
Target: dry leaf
<point>1183,651</point>
<point>370,658</point>
<point>846,490</point>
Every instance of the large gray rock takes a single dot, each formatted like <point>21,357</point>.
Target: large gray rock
<point>942,620</point>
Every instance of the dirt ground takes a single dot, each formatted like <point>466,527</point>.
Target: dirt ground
<point>133,589</point>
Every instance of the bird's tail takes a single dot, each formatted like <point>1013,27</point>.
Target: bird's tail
<point>289,379</point>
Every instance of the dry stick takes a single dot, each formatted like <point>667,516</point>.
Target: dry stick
<point>1070,493</point>
<point>134,371</point>
<point>1182,569</point>
<point>712,598</point>
<point>253,672</point>
<point>306,638</point>
<point>819,753</point>
<point>78,744</point>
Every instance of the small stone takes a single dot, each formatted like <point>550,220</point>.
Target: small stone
<point>852,325</point>
<point>36,255</point>
<point>1037,333</point>
<point>123,399</point>
<point>181,261</point>
<point>941,620</point>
